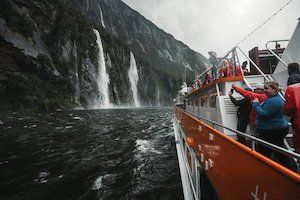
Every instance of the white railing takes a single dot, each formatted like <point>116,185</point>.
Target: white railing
<point>254,140</point>
<point>193,170</point>
<point>272,52</point>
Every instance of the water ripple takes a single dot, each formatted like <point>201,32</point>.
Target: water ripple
<point>89,154</point>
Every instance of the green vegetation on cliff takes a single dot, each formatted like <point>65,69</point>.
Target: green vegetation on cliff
<point>48,55</point>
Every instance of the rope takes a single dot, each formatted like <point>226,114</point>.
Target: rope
<point>264,23</point>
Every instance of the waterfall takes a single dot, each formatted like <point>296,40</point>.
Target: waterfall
<point>102,78</point>
<point>145,89</point>
<point>158,97</point>
<point>77,89</point>
<point>101,16</point>
<point>87,6</point>
<point>133,78</point>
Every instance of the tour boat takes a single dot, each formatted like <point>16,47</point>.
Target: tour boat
<point>213,164</point>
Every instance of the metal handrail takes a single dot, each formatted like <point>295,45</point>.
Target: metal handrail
<point>264,143</point>
<point>272,52</point>
<point>261,72</point>
<point>187,147</point>
<point>204,72</point>
<point>253,63</point>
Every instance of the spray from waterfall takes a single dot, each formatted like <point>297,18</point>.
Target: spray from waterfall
<point>102,78</point>
<point>134,78</point>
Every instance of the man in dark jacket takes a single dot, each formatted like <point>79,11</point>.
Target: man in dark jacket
<point>294,73</point>
<point>243,113</point>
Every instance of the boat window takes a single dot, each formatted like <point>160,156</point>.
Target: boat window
<point>196,102</point>
<point>203,101</point>
<point>212,101</point>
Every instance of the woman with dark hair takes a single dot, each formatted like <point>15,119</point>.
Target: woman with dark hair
<point>270,122</point>
<point>294,73</point>
<point>244,69</point>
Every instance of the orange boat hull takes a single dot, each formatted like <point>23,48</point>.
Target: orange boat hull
<point>236,171</point>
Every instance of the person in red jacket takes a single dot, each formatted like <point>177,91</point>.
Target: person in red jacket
<point>257,93</point>
<point>292,108</point>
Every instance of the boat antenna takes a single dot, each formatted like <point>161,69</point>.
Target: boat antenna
<point>267,20</point>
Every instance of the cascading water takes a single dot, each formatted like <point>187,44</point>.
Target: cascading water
<point>133,78</point>
<point>145,89</point>
<point>77,89</point>
<point>158,97</point>
<point>87,6</point>
<point>102,78</point>
<point>101,16</point>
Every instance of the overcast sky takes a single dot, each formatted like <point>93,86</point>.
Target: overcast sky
<point>219,25</point>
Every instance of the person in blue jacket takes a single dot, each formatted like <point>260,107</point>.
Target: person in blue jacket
<point>270,122</point>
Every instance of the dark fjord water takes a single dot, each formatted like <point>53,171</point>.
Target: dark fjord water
<point>89,154</point>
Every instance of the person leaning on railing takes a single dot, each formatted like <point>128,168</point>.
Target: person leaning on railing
<point>270,122</point>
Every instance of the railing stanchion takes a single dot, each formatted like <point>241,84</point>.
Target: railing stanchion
<point>252,144</point>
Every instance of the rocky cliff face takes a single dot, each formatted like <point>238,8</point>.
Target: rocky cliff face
<point>49,55</point>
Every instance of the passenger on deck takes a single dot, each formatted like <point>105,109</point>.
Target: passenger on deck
<point>215,62</point>
<point>292,108</point>
<point>270,122</point>
<point>225,68</point>
<point>292,104</point>
<point>207,79</point>
<point>294,73</point>
<point>238,71</point>
<point>243,113</point>
<point>258,92</point>
<point>244,69</point>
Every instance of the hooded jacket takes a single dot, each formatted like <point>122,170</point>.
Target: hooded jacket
<point>292,108</point>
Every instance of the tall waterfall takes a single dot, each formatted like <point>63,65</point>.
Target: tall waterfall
<point>133,78</point>
<point>158,97</point>
<point>101,16</point>
<point>77,89</point>
<point>102,78</point>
